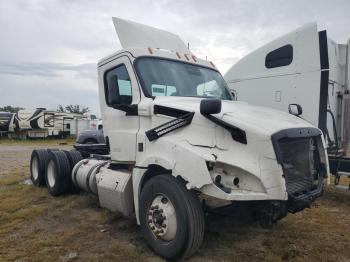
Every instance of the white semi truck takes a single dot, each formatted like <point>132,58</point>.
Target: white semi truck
<point>307,68</point>
<point>179,146</point>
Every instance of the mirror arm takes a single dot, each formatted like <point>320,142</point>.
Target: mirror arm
<point>130,110</point>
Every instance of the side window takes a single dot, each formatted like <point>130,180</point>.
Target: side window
<point>282,56</point>
<point>123,84</point>
<point>49,120</point>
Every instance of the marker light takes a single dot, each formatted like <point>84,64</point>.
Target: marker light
<point>150,50</point>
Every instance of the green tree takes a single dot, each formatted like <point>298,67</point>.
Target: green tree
<point>77,109</point>
<point>11,109</point>
<point>60,109</point>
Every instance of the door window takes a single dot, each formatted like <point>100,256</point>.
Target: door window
<point>123,84</point>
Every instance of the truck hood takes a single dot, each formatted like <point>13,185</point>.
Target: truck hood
<point>241,114</point>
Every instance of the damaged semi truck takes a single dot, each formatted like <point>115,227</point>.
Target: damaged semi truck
<point>179,146</point>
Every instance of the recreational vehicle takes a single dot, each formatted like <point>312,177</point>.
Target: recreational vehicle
<point>7,123</point>
<point>37,122</point>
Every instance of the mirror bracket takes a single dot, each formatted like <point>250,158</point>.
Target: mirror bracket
<point>130,110</point>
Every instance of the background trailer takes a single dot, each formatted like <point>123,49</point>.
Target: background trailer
<point>42,123</point>
<point>303,67</point>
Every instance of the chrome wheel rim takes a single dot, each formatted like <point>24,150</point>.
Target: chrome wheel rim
<point>35,168</point>
<point>51,173</point>
<point>162,218</point>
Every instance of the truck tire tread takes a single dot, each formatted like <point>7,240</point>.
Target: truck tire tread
<point>62,173</point>
<point>42,156</point>
<point>191,212</point>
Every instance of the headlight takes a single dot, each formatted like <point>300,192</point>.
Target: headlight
<point>234,178</point>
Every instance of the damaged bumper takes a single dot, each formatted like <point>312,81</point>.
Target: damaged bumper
<point>299,203</point>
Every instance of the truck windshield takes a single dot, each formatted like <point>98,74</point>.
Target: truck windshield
<point>161,77</point>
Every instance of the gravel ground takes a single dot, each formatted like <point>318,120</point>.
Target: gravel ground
<point>18,156</point>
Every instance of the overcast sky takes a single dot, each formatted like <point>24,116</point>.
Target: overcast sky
<point>49,48</point>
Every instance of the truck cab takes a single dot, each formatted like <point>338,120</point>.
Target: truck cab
<point>169,112</point>
<point>180,145</point>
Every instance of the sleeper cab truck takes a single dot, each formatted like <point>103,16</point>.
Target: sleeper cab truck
<point>180,146</point>
<point>307,68</point>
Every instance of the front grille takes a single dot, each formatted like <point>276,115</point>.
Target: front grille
<point>299,159</point>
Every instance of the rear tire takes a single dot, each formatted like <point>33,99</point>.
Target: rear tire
<point>73,157</point>
<point>57,174</point>
<point>181,232</point>
<point>38,162</point>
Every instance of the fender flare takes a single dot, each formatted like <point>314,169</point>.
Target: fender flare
<point>196,178</point>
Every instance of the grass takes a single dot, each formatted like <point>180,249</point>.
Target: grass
<point>37,227</point>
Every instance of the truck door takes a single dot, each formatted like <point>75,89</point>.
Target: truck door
<point>291,69</point>
<point>120,119</point>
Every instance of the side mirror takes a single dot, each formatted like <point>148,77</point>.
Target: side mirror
<point>295,109</point>
<point>210,106</point>
<point>113,91</point>
<point>234,94</point>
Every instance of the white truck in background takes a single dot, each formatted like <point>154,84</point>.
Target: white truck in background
<point>180,146</point>
<point>307,68</point>
<point>86,123</point>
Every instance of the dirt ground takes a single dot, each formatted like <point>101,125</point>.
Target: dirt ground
<point>37,227</point>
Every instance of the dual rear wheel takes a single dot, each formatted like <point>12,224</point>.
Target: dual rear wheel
<point>53,168</point>
<point>37,166</point>
<point>171,217</point>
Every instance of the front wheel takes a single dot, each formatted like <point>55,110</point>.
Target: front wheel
<point>171,218</point>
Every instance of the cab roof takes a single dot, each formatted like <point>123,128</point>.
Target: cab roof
<point>132,34</point>
<point>136,52</point>
<point>142,40</point>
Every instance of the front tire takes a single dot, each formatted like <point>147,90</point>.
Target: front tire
<point>171,218</point>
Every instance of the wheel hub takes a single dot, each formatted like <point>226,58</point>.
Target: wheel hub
<point>158,218</point>
<point>162,218</point>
